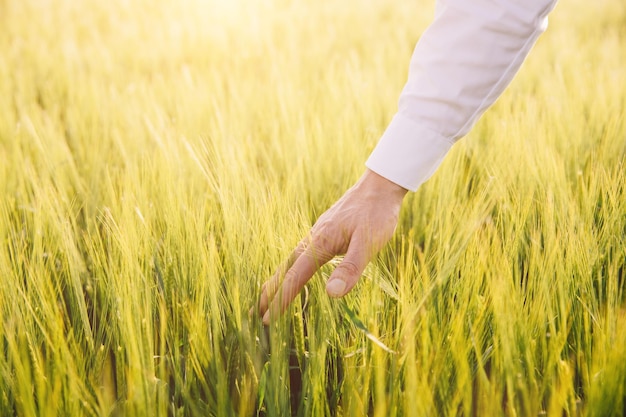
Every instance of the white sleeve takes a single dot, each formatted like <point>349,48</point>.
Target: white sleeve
<point>461,64</point>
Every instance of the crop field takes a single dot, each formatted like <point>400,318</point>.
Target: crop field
<point>159,159</point>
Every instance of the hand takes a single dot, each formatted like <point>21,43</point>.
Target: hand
<point>358,225</point>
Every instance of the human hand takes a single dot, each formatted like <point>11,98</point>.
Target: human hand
<point>358,225</point>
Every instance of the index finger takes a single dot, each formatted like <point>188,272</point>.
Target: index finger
<point>271,286</point>
<point>296,278</point>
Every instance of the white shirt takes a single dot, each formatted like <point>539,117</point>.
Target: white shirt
<point>461,64</point>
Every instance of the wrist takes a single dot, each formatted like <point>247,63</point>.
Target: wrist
<point>371,182</point>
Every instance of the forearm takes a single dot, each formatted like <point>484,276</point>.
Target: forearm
<point>460,66</point>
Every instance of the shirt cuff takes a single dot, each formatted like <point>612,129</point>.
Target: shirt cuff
<point>408,154</point>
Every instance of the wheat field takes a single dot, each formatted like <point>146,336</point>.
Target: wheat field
<point>159,159</point>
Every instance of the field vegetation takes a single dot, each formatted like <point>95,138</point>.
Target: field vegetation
<point>159,159</point>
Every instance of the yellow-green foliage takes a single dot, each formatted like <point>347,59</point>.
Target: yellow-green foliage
<point>159,159</point>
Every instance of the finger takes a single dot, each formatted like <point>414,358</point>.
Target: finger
<point>296,278</point>
<point>271,286</point>
<point>347,273</point>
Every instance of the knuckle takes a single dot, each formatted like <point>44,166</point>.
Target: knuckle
<point>270,287</point>
<point>324,244</point>
<point>349,268</point>
<point>323,229</point>
<point>321,240</point>
<point>291,276</point>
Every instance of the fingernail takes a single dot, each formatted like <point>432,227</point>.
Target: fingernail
<point>336,287</point>
<point>266,318</point>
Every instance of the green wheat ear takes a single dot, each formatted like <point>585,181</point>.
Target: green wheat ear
<point>354,319</point>
<point>147,177</point>
<point>298,328</point>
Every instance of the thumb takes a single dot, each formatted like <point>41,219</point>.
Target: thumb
<point>348,272</point>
